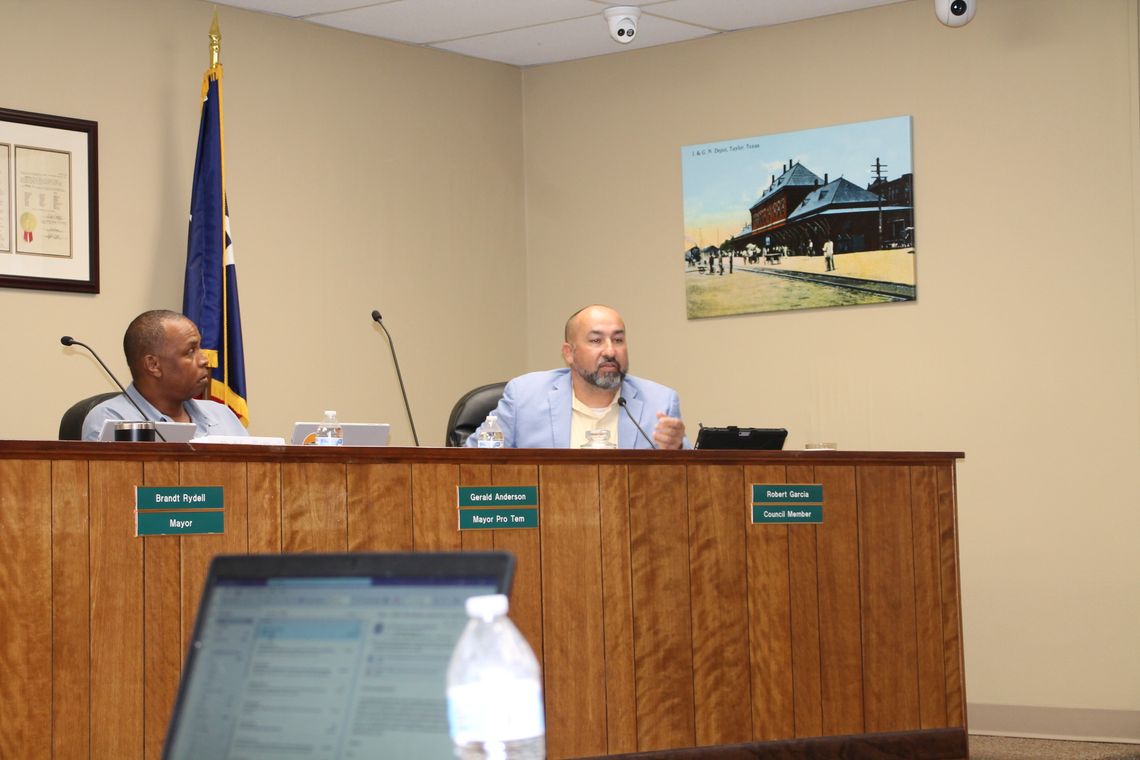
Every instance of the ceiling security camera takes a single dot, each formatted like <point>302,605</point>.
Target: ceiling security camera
<point>955,12</point>
<point>623,22</point>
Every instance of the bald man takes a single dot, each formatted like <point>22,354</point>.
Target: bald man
<point>169,372</point>
<point>556,408</point>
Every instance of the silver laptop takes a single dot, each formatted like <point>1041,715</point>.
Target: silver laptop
<point>355,433</point>
<point>173,432</point>
<point>326,656</point>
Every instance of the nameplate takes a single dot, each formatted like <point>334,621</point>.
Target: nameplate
<point>498,519</point>
<point>179,510</point>
<point>786,493</point>
<point>787,503</point>
<point>498,496</point>
<point>497,507</point>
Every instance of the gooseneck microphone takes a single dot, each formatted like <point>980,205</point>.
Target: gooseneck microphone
<point>67,340</point>
<point>621,403</point>
<point>403,391</point>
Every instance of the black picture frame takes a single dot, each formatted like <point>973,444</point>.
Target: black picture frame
<point>77,271</point>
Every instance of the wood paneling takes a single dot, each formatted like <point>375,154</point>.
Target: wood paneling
<point>804,590</point>
<point>379,518</point>
<point>70,616</point>
<point>951,603</point>
<point>314,509</point>
<point>617,602</point>
<point>717,556</point>
<point>886,560</point>
<point>663,618</point>
<point>928,598</point>
<point>574,664</point>
<point>163,621</point>
<point>116,613</point>
<point>770,620</point>
<point>264,487</point>
<point>527,591</point>
<point>435,524</point>
<point>840,625</point>
<point>662,604</point>
<point>25,586</point>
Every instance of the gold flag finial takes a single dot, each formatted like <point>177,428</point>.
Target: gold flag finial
<point>215,40</point>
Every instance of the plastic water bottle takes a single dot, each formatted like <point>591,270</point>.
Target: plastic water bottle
<point>494,689</point>
<point>491,435</point>
<point>329,432</point>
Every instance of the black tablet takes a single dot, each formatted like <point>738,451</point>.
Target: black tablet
<point>732,437</point>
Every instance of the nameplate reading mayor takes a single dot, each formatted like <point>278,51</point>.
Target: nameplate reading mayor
<point>179,510</point>
<point>497,507</point>
<point>783,503</point>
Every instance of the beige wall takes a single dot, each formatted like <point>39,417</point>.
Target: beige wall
<point>1022,347</point>
<point>475,205</point>
<point>362,175</point>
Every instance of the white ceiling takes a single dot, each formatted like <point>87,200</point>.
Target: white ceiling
<point>531,32</point>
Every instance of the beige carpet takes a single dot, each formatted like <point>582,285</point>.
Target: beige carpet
<point>1011,748</point>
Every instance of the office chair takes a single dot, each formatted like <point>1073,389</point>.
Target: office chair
<point>71,424</point>
<point>470,411</point>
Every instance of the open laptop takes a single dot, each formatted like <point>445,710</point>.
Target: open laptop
<point>732,437</point>
<point>307,656</point>
<point>355,433</point>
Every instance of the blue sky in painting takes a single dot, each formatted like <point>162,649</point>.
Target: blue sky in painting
<point>722,180</point>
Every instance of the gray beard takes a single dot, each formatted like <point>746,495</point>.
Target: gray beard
<point>606,382</point>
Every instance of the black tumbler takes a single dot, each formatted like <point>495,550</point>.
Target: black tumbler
<point>134,431</point>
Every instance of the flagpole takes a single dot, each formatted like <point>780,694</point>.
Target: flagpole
<point>215,41</point>
<point>210,296</point>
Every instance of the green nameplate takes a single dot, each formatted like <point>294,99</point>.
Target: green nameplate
<point>786,493</point>
<point>152,523</point>
<point>498,496</point>
<point>498,519</point>
<point>770,515</point>
<point>179,510</point>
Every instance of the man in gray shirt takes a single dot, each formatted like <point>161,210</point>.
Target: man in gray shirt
<point>169,372</point>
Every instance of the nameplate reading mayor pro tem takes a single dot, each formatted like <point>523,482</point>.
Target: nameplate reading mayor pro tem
<point>783,503</point>
<point>497,507</point>
<point>179,510</point>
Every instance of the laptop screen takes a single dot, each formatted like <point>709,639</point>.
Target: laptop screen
<point>343,660</point>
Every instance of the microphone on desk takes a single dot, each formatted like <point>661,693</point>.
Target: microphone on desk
<point>621,403</point>
<point>67,340</point>
<point>407,407</point>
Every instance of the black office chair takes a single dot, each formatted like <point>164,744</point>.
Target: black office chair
<point>71,425</point>
<point>470,411</point>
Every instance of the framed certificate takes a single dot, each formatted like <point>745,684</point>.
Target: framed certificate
<point>49,202</point>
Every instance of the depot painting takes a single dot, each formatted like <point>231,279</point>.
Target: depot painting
<point>800,220</point>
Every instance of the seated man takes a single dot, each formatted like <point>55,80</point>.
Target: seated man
<point>170,373</point>
<point>555,408</point>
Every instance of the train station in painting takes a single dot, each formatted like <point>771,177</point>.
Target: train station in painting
<point>800,211</point>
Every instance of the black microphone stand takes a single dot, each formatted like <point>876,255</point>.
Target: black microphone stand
<point>621,403</point>
<point>392,346</point>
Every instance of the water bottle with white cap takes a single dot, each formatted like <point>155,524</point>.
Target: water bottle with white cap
<point>494,688</point>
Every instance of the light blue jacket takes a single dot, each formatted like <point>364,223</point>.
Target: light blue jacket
<point>534,412</point>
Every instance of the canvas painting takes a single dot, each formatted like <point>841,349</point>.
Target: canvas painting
<point>800,220</point>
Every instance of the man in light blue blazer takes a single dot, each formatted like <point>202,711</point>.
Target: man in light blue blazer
<point>556,408</point>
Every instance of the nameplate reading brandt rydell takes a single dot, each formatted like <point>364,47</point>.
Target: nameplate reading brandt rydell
<point>497,507</point>
<point>179,510</point>
<point>784,503</point>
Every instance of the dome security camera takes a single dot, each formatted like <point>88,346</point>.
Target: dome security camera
<point>622,20</point>
<point>955,12</point>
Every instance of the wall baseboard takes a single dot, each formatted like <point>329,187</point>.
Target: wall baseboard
<point>1055,723</point>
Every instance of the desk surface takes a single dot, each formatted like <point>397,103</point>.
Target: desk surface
<point>149,452</point>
